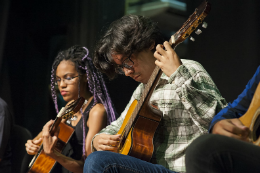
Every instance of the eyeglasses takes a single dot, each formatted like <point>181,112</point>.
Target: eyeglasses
<point>127,63</point>
<point>67,80</point>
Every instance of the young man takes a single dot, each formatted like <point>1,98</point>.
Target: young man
<point>185,94</point>
<point>229,151</point>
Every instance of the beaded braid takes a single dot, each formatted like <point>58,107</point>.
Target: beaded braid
<point>53,92</point>
<point>96,84</point>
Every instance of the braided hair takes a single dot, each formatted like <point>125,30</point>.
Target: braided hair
<point>96,85</point>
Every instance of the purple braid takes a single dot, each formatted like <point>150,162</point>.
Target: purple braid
<point>109,101</point>
<point>92,89</point>
<point>53,92</point>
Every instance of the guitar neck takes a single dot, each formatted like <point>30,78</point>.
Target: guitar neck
<point>145,97</point>
<point>148,90</point>
<point>55,125</point>
<point>56,122</point>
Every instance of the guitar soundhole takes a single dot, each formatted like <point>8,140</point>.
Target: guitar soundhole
<point>256,129</point>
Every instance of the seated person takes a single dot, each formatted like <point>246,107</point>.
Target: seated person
<point>75,76</point>
<point>228,150</point>
<point>6,124</point>
<point>185,94</point>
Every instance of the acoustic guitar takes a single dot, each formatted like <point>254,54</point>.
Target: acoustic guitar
<point>41,163</point>
<point>251,119</point>
<point>142,118</point>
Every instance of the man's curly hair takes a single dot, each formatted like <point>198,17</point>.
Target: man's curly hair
<point>129,34</point>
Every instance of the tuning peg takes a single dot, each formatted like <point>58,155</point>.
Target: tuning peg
<point>204,25</point>
<point>198,32</point>
<point>192,39</point>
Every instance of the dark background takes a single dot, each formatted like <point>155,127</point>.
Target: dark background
<point>32,32</point>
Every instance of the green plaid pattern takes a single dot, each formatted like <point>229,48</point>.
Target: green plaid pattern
<point>188,99</point>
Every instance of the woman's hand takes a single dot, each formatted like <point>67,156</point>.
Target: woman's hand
<point>167,59</point>
<point>49,141</point>
<point>32,146</point>
<point>105,142</point>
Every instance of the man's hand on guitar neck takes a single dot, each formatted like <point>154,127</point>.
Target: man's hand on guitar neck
<point>231,128</point>
<point>167,59</point>
<point>105,142</point>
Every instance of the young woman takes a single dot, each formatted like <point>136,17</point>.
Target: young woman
<point>75,76</point>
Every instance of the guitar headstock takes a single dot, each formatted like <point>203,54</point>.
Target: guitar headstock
<point>191,24</point>
<point>72,108</point>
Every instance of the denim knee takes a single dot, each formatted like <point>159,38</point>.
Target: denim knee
<point>94,161</point>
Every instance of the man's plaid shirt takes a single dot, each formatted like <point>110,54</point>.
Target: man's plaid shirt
<point>188,99</point>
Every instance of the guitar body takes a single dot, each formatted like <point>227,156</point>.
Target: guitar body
<point>251,119</point>
<point>43,163</point>
<point>139,141</point>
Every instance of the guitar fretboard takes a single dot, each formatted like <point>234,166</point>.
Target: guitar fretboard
<point>151,82</point>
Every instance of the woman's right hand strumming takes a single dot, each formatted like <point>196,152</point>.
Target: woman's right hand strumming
<point>32,146</point>
<point>105,142</point>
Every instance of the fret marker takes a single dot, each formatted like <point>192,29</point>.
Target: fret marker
<point>192,39</point>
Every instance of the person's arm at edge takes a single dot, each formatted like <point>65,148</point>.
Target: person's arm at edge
<point>238,107</point>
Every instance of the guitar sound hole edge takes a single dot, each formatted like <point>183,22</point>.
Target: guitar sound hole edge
<point>256,129</point>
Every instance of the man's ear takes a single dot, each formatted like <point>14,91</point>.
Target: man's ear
<point>152,45</point>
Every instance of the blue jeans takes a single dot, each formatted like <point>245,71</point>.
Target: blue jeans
<point>108,162</point>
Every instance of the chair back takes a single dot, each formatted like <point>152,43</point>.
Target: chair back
<point>20,135</point>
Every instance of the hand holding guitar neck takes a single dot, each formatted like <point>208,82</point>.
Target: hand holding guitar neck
<point>167,59</point>
<point>49,140</point>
